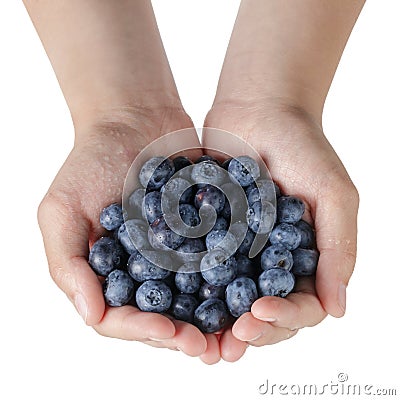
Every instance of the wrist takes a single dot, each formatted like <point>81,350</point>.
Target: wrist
<point>262,91</point>
<point>118,104</point>
<point>246,116</point>
<point>133,124</point>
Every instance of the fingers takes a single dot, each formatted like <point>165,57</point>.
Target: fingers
<point>232,349</point>
<point>187,339</point>
<point>212,354</point>
<point>273,319</point>
<point>65,234</point>
<point>336,231</point>
<point>129,323</point>
<point>259,333</point>
<point>272,335</point>
<point>300,309</point>
<point>155,329</point>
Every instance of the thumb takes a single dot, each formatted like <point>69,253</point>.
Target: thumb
<point>336,228</point>
<point>66,235</point>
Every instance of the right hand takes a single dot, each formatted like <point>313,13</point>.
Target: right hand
<point>91,178</point>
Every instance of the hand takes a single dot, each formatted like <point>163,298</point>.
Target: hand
<point>303,164</point>
<point>91,178</point>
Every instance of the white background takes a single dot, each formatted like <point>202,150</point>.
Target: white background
<point>46,350</point>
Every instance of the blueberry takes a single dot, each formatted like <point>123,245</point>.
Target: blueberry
<point>208,172</point>
<point>218,269</point>
<point>307,235</point>
<point>276,282</point>
<point>221,224</point>
<point>225,164</point>
<point>276,256</point>
<point>206,157</point>
<point>187,278</point>
<point>264,190</point>
<point>226,211</point>
<point>192,245</point>
<point>210,195</point>
<point>105,256</point>
<point>287,235</point>
<point>112,217</point>
<point>190,250</point>
<point>156,172</point>
<point>135,202</point>
<point>253,195</point>
<point>222,239</point>
<point>290,209</point>
<point>163,235</point>
<point>240,295</point>
<point>155,244</point>
<point>237,230</point>
<point>133,235</point>
<point>208,291</point>
<point>181,162</point>
<point>211,316</point>
<point>261,217</point>
<point>183,307</point>
<point>244,170</point>
<point>154,296</point>
<point>305,261</point>
<point>249,188</point>
<point>181,224</point>
<point>245,266</point>
<point>189,215</point>
<point>118,288</point>
<point>152,206</point>
<point>141,269</point>
<point>238,202</point>
<point>177,189</point>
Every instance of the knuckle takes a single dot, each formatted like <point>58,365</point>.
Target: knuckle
<point>338,188</point>
<point>42,210</point>
<point>50,207</point>
<point>58,275</point>
<point>51,210</point>
<point>351,194</point>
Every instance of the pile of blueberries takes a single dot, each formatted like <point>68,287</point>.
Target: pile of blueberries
<point>150,261</point>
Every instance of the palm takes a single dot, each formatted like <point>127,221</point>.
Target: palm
<point>92,177</point>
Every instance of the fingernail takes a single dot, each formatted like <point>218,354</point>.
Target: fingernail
<point>81,306</point>
<point>342,297</point>
<point>156,339</point>
<point>267,319</point>
<point>255,338</point>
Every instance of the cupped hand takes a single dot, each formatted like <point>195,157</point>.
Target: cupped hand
<point>304,164</point>
<point>91,178</point>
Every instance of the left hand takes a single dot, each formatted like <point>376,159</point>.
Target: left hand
<point>303,163</point>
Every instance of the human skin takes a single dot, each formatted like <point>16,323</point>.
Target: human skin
<point>276,75</point>
<point>112,68</point>
<point>113,71</point>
